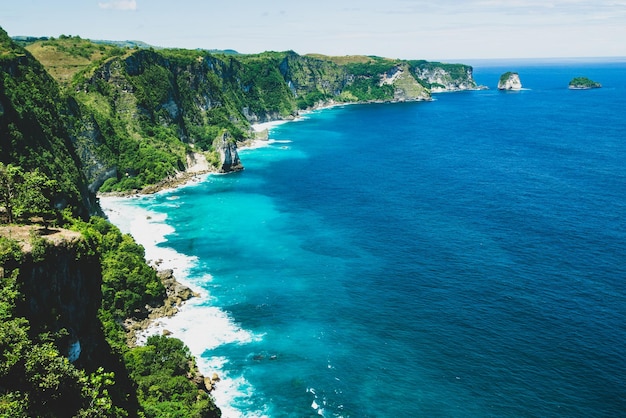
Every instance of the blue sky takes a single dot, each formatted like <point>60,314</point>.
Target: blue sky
<point>409,29</point>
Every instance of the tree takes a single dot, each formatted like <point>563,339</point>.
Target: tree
<point>10,179</point>
<point>25,195</point>
<point>35,197</point>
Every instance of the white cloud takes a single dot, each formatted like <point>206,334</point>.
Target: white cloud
<point>119,5</point>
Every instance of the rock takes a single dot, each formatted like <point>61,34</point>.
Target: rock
<point>167,332</point>
<point>208,384</point>
<point>164,275</point>
<point>226,146</point>
<point>509,81</point>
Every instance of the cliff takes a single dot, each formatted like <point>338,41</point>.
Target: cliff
<point>509,81</point>
<point>440,77</point>
<point>57,280</point>
<point>63,297</point>
<point>135,115</point>
<point>71,296</point>
<point>226,147</point>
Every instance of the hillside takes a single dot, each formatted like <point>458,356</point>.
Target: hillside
<point>33,129</point>
<point>141,115</point>
<point>68,279</point>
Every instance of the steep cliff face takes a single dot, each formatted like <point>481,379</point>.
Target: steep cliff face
<point>440,77</point>
<point>52,328</point>
<point>63,283</point>
<point>509,81</point>
<point>308,74</point>
<point>406,87</point>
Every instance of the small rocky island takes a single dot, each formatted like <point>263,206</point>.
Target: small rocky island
<point>583,83</point>
<point>509,81</point>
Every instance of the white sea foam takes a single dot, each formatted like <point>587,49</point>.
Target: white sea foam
<point>149,229</point>
<point>259,143</point>
<point>260,127</point>
<point>199,325</point>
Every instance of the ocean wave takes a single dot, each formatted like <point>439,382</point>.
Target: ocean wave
<point>201,326</point>
<point>280,141</point>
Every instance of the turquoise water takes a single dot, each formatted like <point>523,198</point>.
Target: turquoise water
<point>463,257</point>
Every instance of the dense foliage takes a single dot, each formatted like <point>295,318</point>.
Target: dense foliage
<point>128,283</point>
<point>161,368</point>
<point>366,84</point>
<point>35,379</point>
<point>26,195</point>
<point>32,130</point>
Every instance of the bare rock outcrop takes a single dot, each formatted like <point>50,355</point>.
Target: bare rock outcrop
<point>226,147</point>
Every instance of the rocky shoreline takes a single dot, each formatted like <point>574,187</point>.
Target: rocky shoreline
<point>176,295</point>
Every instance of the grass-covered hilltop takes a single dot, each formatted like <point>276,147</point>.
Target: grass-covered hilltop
<point>79,117</point>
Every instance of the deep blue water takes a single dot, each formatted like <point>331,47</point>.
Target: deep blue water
<point>462,257</point>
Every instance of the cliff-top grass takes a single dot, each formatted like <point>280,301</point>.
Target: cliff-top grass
<point>24,234</point>
<point>66,56</point>
<point>349,59</point>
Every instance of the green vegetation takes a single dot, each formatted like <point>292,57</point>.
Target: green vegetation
<point>504,77</point>
<point>128,285</point>
<point>41,180</point>
<point>583,83</point>
<point>161,369</point>
<point>366,84</point>
<point>33,133</point>
<point>66,56</point>
<point>35,379</point>
<point>134,113</point>
<point>26,195</point>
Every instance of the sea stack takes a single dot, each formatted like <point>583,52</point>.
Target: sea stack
<point>509,81</point>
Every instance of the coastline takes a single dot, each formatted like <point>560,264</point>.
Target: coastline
<point>179,316</point>
<point>150,229</point>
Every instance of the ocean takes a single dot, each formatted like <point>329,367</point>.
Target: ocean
<point>454,258</point>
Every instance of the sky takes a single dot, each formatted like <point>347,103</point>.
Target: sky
<point>442,30</point>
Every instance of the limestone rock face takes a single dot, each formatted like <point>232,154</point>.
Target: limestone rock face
<point>446,77</point>
<point>406,87</point>
<point>509,81</point>
<point>226,146</point>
